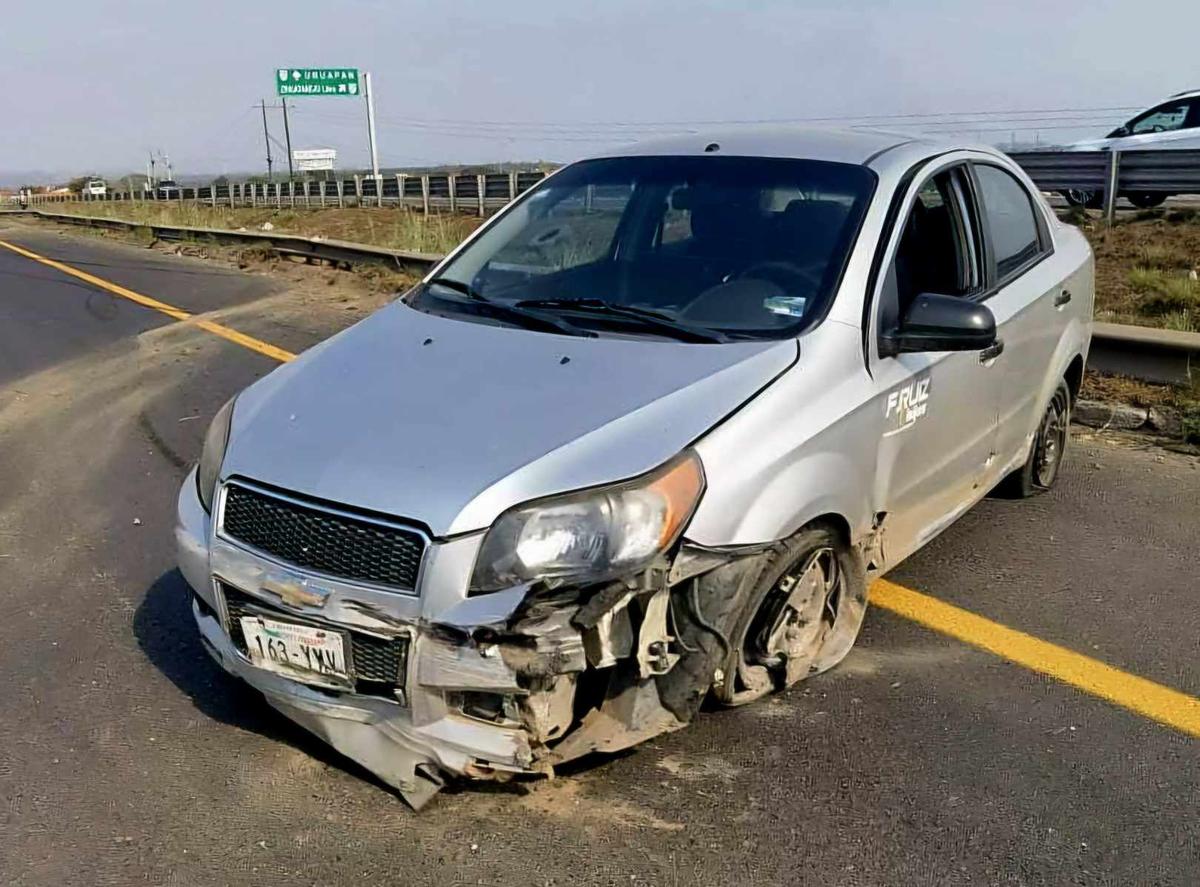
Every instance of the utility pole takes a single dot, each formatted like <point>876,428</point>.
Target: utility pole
<point>266,138</point>
<point>287,137</point>
<point>369,94</point>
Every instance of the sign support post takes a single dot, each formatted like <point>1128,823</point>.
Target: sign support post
<point>287,137</point>
<point>266,138</point>
<point>373,141</point>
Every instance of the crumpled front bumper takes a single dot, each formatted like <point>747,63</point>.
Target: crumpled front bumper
<point>494,686</point>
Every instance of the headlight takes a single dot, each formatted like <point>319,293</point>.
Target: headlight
<point>592,535</point>
<point>213,455</point>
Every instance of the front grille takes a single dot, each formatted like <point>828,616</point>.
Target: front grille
<point>379,664</point>
<point>327,542</point>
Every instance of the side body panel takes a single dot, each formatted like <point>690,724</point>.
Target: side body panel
<point>804,447</point>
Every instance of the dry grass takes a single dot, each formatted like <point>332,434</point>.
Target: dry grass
<point>388,227</point>
<point>1165,293</point>
<point>1143,268</point>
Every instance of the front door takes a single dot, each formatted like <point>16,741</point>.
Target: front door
<point>938,409</point>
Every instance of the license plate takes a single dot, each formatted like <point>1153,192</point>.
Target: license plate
<point>301,652</point>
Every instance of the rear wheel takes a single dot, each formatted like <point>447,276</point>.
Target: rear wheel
<point>1146,199</point>
<point>1041,469</point>
<point>797,616</point>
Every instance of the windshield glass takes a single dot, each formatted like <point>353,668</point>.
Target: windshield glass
<point>743,246</point>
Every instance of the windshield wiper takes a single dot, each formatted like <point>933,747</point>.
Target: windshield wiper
<point>647,318</point>
<point>517,314</point>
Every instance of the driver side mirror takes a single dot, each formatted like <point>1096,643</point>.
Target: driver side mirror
<point>936,322</point>
<point>1120,132</point>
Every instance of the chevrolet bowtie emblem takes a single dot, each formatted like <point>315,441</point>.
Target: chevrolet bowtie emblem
<point>295,592</point>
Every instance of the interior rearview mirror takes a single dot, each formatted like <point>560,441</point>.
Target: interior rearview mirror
<point>936,322</point>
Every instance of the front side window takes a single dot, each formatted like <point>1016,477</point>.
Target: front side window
<point>745,247</point>
<point>1010,218</point>
<point>936,253</point>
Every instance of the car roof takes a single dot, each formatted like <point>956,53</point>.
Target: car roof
<point>1186,94</point>
<point>856,146</point>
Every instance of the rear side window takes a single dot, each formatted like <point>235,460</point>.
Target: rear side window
<point>1010,216</point>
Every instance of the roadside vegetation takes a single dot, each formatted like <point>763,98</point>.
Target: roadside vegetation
<point>388,227</point>
<point>1146,274</point>
<point>1147,268</point>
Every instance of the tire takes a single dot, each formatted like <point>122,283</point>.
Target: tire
<point>1085,199</point>
<point>1146,199</point>
<point>1041,469</point>
<point>796,616</point>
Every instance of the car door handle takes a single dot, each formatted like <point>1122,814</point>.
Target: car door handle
<point>1062,298</point>
<point>992,351</point>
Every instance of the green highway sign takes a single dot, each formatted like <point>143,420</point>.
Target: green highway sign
<point>316,81</point>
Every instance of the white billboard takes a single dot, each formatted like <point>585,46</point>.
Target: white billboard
<point>308,159</point>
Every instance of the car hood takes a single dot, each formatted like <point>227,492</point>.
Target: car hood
<point>448,422</point>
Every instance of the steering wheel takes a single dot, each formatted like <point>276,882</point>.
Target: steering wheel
<point>784,274</point>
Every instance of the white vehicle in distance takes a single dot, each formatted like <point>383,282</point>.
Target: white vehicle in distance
<point>94,188</point>
<point>642,440</point>
<point>1172,125</point>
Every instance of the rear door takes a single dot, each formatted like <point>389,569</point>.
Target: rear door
<point>1029,301</point>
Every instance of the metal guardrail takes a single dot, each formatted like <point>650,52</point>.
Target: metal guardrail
<point>475,193</point>
<point>1151,355</point>
<point>1144,353</point>
<point>1113,173</point>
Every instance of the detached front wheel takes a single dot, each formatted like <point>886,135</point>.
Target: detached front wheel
<point>797,616</point>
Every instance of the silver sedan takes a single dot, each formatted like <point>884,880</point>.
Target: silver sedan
<point>644,439</point>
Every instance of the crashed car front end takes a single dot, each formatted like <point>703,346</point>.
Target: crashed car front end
<point>446,677</point>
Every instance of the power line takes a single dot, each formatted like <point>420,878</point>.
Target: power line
<point>656,124</point>
<point>578,127</point>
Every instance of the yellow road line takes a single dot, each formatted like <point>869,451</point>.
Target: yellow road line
<point>171,311</point>
<point>1154,701</point>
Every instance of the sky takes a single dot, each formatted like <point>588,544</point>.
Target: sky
<point>93,86</point>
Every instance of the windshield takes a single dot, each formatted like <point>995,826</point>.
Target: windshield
<point>746,247</point>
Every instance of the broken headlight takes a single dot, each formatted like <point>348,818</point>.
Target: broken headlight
<point>591,535</point>
<point>213,454</point>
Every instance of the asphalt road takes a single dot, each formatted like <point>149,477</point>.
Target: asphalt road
<point>126,757</point>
